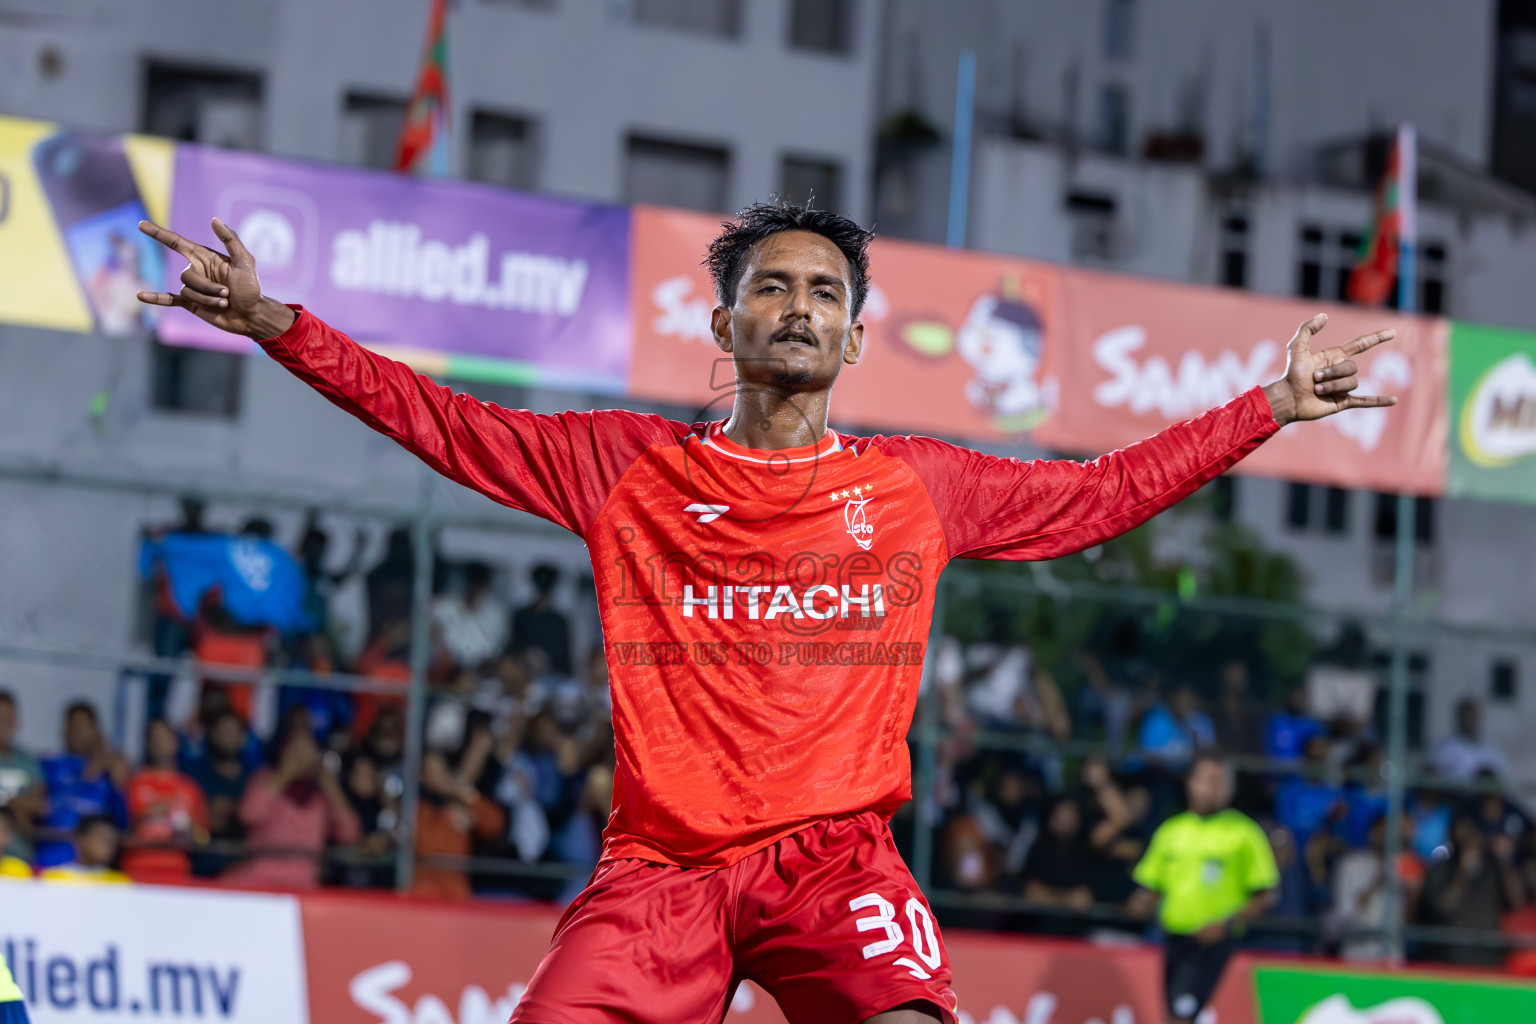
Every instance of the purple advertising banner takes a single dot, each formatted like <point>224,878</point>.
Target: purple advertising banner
<point>458,279</point>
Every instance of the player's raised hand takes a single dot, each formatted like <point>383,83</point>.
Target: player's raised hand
<point>223,290</point>
<point>1321,383</point>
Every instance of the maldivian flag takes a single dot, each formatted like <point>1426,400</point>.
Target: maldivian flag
<point>425,131</point>
<point>1376,267</point>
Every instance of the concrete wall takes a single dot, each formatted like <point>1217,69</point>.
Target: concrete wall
<point>1330,72</point>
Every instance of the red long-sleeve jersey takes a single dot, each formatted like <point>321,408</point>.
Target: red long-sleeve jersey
<point>764,612</point>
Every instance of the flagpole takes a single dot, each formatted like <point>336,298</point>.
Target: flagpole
<point>1402,584</point>
<point>960,156</point>
<point>441,153</point>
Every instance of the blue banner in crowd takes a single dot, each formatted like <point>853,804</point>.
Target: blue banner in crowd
<point>258,583</point>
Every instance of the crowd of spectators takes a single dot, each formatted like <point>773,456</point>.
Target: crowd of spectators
<point>1042,833</point>
<point>299,782</point>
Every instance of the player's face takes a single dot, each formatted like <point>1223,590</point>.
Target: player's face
<point>791,325</point>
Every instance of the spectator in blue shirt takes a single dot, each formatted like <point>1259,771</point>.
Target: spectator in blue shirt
<point>1173,734</point>
<point>1307,803</point>
<point>1431,815</point>
<point>1365,796</point>
<point>85,781</point>
<point>1286,732</point>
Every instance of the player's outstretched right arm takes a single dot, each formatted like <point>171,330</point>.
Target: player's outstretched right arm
<point>560,467</point>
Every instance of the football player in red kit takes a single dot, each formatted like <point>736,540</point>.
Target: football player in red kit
<point>766,587</point>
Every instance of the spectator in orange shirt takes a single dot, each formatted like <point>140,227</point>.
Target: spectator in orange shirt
<point>167,813</point>
<point>386,660</point>
<point>452,814</point>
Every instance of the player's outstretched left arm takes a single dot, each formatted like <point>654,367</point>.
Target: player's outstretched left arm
<point>1321,383</point>
<point>1007,508</point>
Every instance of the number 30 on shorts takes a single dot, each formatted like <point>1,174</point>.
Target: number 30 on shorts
<point>924,942</point>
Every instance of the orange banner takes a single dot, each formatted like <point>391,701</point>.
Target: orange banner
<point>955,342</point>
<point>1139,354</point>
<point>971,345</point>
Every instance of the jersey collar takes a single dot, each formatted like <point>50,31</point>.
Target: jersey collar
<point>714,437</point>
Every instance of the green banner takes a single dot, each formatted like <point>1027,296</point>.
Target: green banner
<point>1493,413</point>
<point>1288,996</point>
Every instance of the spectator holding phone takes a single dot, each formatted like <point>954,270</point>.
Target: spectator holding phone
<point>290,810</point>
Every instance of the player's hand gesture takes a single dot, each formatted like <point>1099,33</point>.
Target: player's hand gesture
<point>223,290</point>
<point>1318,384</point>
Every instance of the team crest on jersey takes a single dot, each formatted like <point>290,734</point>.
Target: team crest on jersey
<point>857,520</point>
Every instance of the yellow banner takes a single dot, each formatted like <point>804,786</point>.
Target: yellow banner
<point>69,201</point>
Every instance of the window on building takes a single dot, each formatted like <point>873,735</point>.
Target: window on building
<point>710,17</point>
<point>1514,95</point>
<point>1234,251</point>
<point>825,26</point>
<point>1113,129</point>
<point>1094,235</point>
<point>195,380</point>
<point>1326,258</point>
<point>1503,680</point>
<point>681,174</point>
<point>1423,519</point>
<point>802,179</point>
<point>1119,27</point>
<point>1432,277</point>
<point>1336,511</point>
<point>502,150</point>
<point>1298,506</point>
<point>370,129</point>
<point>1344,264</point>
<point>1324,508</point>
<point>215,106</point>
<point>1224,494</point>
<point>1309,268</point>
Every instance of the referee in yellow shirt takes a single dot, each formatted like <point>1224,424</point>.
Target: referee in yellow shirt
<point>1210,871</point>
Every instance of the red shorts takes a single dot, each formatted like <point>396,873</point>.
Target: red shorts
<point>828,921</point>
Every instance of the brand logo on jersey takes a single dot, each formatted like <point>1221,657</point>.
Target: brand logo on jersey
<point>855,518</point>
<point>709,513</point>
<point>858,522</point>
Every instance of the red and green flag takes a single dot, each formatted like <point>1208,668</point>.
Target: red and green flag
<point>425,132</point>
<point>1392,226</point>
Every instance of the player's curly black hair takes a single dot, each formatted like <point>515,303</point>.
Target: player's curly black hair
<point>728,252</point>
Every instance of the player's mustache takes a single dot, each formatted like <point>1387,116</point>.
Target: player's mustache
<point>794,332</point>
